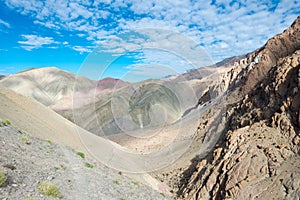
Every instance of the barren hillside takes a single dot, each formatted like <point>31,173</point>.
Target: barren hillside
<point>29,163</point>
<point>55,88</point>
<point>258,121</point>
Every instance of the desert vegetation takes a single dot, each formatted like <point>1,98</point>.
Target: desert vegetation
<point>49,189</point>
<point>3,178</point>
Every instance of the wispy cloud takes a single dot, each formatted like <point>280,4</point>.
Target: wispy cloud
<point>159,47</point>
<point>140,72</point>
<point>35,42</point>
<point>82,49</point>
<point>48,24</point>
<point>4,23</point>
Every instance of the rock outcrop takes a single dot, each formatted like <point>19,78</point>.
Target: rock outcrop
<point>243,74</point>
<point>257,154</point>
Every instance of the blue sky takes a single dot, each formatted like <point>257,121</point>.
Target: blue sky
<point>134,39</point>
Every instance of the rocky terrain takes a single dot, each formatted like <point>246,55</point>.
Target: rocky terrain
<point>27,163</point>
<point>257,153</point>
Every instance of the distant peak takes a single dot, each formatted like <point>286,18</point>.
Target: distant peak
<point>110,79</point>
<point>42,68</point>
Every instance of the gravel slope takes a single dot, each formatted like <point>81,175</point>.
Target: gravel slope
<point>27,162</point>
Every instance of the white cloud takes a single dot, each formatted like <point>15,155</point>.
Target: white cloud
<point>224,28</point>
<point>82,49</point>
<point>148,71</point>
<point>46,24</point>
<point>35,42</point>
<point>81,35</point>
<point>4,23</point>
<point>159,47</point>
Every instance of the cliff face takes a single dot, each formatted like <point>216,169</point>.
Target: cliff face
<point>245,73</point>
<point>257,155</point>
<point>276,48</point>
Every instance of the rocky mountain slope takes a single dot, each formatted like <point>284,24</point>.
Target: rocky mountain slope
<point>258,121</point>
<point>29,163</point>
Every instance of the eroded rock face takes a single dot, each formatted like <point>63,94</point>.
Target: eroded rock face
<point>245,73</point>
<point>257,157</point>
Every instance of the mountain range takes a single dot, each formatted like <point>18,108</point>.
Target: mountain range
<point>246,141</point>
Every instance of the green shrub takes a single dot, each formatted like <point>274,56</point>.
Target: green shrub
<point>29,198</point>
<point>81,154</point>
<point>25,139</point>
<point>48,188</point>
<point>48,141</point>
<point>135,182</point>
<point>6,122</point>
<point>56,168</point>
<point>3,179</point>
<point>88,165</point>
<point>117,181</point>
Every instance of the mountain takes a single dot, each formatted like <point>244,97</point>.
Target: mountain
<point>110,84</point>
<point>128,107</point>
<point>247,143</point>
<point>83,96</point>
<point>41,147</point>
<point>46,85</point>
<point>55,88</point>
<point>2,77</point>
<point>35,124</point>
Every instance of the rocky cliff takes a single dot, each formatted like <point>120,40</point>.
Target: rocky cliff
<point>257,154</point>
<point>243,73</point>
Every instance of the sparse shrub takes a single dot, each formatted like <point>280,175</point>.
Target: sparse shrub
<point>81,154</point>
<point>3,179</point>
<point>89,165</point>
<point>56,168</point>
<point>6,122</point>
<point>25,139</point>
<point>29,198</point>
<point>117,181</point>
<point>136,182</point>
<point>48,141</point>
<point>48,188</point>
